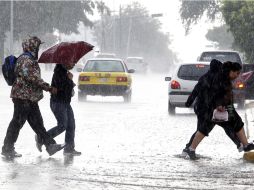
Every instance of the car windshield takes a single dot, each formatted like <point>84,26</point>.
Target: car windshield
<point>192,72</point>
<point>221,56</point>
<point>104,66</point>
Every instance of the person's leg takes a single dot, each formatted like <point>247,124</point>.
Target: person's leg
<point>237,124</point>
<point>17,122</point>
<point>191,139</point>
<point>196,140</point>
<point>233,136</point>
<point>36,122</point>
<point>204,127</point>
<point>70,130</point>
<point>60,111</point>
<point>70,134</point>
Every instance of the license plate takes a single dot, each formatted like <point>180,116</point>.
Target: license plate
<point>103,79</point>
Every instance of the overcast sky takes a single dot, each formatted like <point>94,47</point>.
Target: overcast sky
<point>187,47</point>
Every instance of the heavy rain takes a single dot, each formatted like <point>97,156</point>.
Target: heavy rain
<point>106,94</point>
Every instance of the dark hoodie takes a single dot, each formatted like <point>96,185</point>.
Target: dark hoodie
<point>63,84</point>
<point>202,90</point>
<point>222,86</point>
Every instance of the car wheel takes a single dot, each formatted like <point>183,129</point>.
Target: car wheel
<point>127,97</point>
<point>171,109</point>
<point>82,97</point>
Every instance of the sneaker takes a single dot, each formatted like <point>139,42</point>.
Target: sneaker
<point>38,143</point>
<point>240,148</point>
<point>72,152</point>
<point>248,147</point>
<point>11,154</point>
<point>184,152</point>
<point>53,148</point>
<point>191,154</point>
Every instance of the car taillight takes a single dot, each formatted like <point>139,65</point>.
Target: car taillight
<point>175,85</point>
<point>84,78</point>
<point>239,85</point>
<point>121,79</point>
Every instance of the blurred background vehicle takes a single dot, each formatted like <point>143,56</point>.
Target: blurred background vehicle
<point>106,55</point>
<point>137,63</point>
<point>221,55</point>
<point>182,83</point>
<point>105,77</point>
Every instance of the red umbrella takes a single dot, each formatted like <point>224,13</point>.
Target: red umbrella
<point>65,52</point>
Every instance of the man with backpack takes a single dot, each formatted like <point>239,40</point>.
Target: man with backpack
<point>27,90</point>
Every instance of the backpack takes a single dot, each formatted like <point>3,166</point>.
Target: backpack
<point>8,68</point>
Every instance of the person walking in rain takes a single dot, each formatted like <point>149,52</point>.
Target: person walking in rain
<point>26,92</point>
<point>60,105</point>
<point>217,94</point>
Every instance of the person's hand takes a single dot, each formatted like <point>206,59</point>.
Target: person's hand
<point>221,108</point>
<point>53,90</point>
<point>70,75</point>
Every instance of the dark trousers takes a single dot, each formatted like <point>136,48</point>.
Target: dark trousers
<point>65,122</point>
<point>25,110</point>
<point>231,127</point>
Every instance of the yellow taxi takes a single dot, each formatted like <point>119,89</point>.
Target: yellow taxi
<point>105,77</point>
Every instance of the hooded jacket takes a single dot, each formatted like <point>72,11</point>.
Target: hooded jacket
<point>222,89</point>
<point>63,84</point>
<point>201,93</point>
<point>29,84</point>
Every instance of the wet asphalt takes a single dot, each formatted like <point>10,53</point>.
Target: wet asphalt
<point>124,146</point>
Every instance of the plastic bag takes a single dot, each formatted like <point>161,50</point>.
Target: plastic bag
<point>220,116</point>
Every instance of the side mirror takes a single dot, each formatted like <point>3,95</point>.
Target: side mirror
<point>131,71</point>
<point>79,70</point>
<point>167,78</point>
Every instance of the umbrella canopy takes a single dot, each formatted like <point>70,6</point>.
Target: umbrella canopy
<point>65,52</point>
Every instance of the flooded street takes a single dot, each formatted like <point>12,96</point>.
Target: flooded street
<point>124,146</point>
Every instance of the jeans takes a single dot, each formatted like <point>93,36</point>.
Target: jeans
<point>65,122</point>
<point>25,110</point>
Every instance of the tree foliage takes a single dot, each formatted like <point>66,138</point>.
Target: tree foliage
<point>133,32</point>
<point>239,16</point>
<point>221,36</point>
<point>39,17</point>
<point>191,11</point>
<point>42,18</point>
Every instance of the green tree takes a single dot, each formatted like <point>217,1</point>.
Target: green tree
<point>222,36</point>
<point>42,17</point>
<point>191,11</point>
<point>239,16</point>
<point>133,32</point>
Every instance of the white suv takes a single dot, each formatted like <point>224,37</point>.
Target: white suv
<point>182,83</point>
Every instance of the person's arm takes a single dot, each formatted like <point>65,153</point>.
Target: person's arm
<point>31,73</point>
<point>194,93</point>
